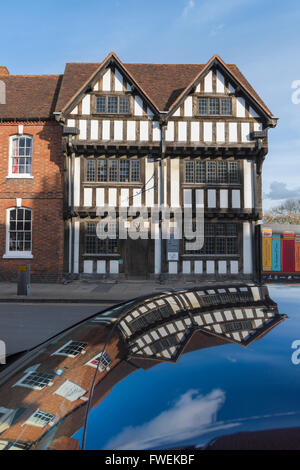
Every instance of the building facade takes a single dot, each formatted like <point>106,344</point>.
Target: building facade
<point>31,170</point>
<point>143,136</point>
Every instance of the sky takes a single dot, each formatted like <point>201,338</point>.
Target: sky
<point>261,36</point>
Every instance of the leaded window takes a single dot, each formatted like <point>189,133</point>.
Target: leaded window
<point>91,170</point>
<point>202,105</point>
<point>213,172</point>
<point>200,172</point>
<point>135,170</point>
<point>101,104</point>
<point>214,106</point>
<point>102,170</point>
<point>124,105</point>
<point>124,171</point>
<point>225,105</point>
<point>112,104</point>
<point>222,172</point>
<point>113,170</point>
<point>189,172</point>
<point>219,239</point>
<point>233,171</point>
<point>97,246</point>
<point>238,325</point>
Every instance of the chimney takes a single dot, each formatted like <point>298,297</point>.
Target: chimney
<point>3,71</point>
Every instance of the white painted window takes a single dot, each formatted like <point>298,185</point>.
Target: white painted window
<point>71,349</point>
<point>18,233</point>
<point>41,419</point>
<point>35,380</point>
<point>103,359</point>
<point>20,156</point>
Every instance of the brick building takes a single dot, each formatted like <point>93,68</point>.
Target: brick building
<point>31,177</point>
<point>131,135</point>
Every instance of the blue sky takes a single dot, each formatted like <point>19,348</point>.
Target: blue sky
<point>260,36</point>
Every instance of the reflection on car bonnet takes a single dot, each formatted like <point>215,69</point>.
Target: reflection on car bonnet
<point>44,398</point>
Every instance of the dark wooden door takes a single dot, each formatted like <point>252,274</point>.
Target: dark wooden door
<point>139,259</point>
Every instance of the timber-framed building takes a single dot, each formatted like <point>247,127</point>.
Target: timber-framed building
<point>177,135</point>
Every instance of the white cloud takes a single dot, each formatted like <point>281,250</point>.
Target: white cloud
<point>189,6</point>
<point>279,191</point>
<point>190,416</point>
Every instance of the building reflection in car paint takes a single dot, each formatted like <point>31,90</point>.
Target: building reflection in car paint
<point>43,403</point>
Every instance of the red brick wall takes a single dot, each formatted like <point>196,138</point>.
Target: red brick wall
<point>75,370</point>
<point>43,194</point>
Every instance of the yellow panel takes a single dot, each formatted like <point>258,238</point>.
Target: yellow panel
<point>267,254</point>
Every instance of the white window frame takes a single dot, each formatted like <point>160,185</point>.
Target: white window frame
<point>58,353</point>
<point>16,254</point>
<point>31,422</point>
<point>35,387</point>
<point>10,173</point>
<point>101,367</point>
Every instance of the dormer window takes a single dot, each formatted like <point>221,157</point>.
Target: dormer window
<point>20,158</point>
<point>112,104</point>
<point>214,106</point>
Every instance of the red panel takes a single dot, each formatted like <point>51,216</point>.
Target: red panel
<point>288,252</point>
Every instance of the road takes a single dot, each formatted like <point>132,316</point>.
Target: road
<point>23,326</point>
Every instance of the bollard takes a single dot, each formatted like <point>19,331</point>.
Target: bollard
<point>24,280</point>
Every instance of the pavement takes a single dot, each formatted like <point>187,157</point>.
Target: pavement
<point>104,291</point>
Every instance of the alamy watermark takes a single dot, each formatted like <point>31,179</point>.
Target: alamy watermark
<point>296,353</point>
<point>296,94</point>
<point>164,222</point>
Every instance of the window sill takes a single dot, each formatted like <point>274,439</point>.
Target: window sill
<point>17,256</point>
<point>96,114</point>
<point>19,177</point>
<point>212,184</point>
<point>209,256</point>
<point>114,183</point>
<point>102,255</point>
<point>219,115</point>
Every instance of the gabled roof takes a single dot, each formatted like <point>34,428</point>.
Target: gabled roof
<point>161,82</point>
<point>112,58</point>
<point>30,96</point>
<point>234,72</point>
<point>163,85</point>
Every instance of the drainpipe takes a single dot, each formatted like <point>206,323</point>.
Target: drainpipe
<point>163,125</point>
